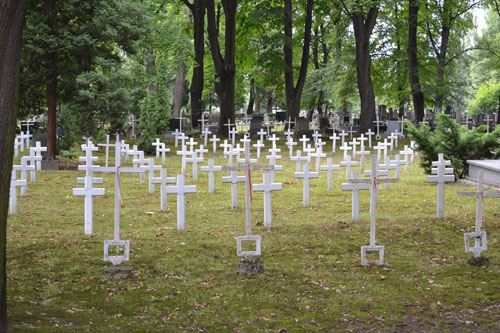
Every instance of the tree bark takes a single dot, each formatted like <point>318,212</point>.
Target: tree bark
<point>252,97</point>
<point>196,90</point>
<point>225,67</point>
<point>362,31</point>
<point>180,78</point>
<point>270,101</point>
<point>11,30</point>
<point>293,93</point>
<point>51,81</point>
<point>416,89</point>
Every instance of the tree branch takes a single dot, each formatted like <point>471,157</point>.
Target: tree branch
<point>212,37</point>
<point>470,49</point>
<point>189,5</point>
<point>433,42</point>
<point>346,9</point>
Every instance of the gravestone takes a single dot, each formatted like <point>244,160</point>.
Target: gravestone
<point>302,128</point>
<point>490,169</point>
<point>255,126</point>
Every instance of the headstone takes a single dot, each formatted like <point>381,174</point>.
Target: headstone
<point>267,187</point>
<point>490,169</point>
<point>440,175</point>
<point>305,175</point>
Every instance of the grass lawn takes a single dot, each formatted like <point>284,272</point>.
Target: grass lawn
<point>313,281</point>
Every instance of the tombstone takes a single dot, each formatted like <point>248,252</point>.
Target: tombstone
<point>374,181</point>
<point>267,187</point>
<point>305,175</point>
<point>163,180</point>
<point>355,188</point>
<point>382,112</point>
<point>302,128</point>
<point>14,184</point>
<point>181,189</point>
<point>88,192</point>
<point>478,235</point>
<point>440,175</point>
<point>329,167</point>
<point>255,126</point>
<point>211,168</point>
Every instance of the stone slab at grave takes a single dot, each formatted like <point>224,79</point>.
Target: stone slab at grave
<point>302,128</point>
<point>374,181</point>
<point>249,260</point>
<point>211,168</point>
<point>163,180</point>
<point>306,175</point>
<point>440,175</point>
<point>490,169</point>
<point>329,168</point>
<point>14,184</point>
<point>181,189</point>
<point>478,235</point>
<point>89,192</point>
<point>355,188</point>
<point>267,187</point>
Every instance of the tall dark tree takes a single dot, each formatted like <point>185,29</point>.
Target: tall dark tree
<point>197,9</point>
<point>11,31</point>
<point>293,91</point>
<point>51,78</point>
<point>225,67</point>
<point>363,24</point>
<point>416,88</point>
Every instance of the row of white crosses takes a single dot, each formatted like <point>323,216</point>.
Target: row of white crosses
<point>22,141</point>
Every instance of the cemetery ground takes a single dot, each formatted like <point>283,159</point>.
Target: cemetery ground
<point>188,281</point>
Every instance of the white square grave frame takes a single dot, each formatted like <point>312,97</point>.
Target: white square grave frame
<point>116,260</point>
<point>258,245</point>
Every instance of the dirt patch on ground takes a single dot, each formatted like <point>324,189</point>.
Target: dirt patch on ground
<point>67,164</point>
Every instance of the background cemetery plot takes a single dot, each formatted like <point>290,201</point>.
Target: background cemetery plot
<point>185,280</point>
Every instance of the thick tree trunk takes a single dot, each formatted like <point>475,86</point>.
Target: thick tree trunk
<point>362,31</point>
<point>225,67</point>
<point>51,81</point>
<point>270,101</point>
<point>198,11</point>
<point>416,89</point>
<point>252,97</point>
<point>180,79</point>
<point>150,68</point>
<point>11,30</point>
<point>293,93</point>
<point>445,37</point>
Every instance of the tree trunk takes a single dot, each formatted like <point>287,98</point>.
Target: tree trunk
<point>252,97</point>
<point>11,31</point>
<point>51,81</point>
<point>416,89</point>
<point>225,67</point>
<point>445,37</point>
<point>399,70</point>
<point>180,78</point>
<point>198,11</point>
<point>362,31</point>
<point>150,68</point>
<point>270,101</point>
<point>293,93</point>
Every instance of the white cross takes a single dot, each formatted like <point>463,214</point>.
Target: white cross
<point>163,180</point>
<point>33,159</point>
<point>233,133</point>
<point>402,127</point>
<point>205,134</point>
<point>318,154</point>
<point>107,145</point>
<point>304,141</point>
<point>290,143</point>
<point>176,135</point>
<point>354,143</point>
<point>316,135</point>
<point>258,145</point>
<point>180,118</point>
<point>194,160</point>
<point>181,189</point>
<point>290,122</point>
<point>309,150</point>
<point>369,134</point>
<point>157,144</point>
<point>288,134</point>
<point>184,153</point>
<point>305,175</point>
<point>342,135</point>
<point>378,123</point>
<point>334,139</point>
<point>406,152</point>
<point>299,159</point>
<point>348,164</point>
<point>24,168</point>
<point>191,143</point>
<point>272,161</point>
<point>225,147</point>
<point>488,119</point>
<point>214,140</point>
<point>162,150</point>
<point>183,138</point>
<point>14,184</point>
<point>88,192</point>
<point>379,147</point>
<point>362,153</point>
<point>211,168</point>
<point>397,163</point>
<point>414,149</point>
<point>351,131</point>
<point>440,175</point>
<point>273,139</point>
<point>203,120</point>
<point>355,188</point>
<point>24,139</point>
<point>124,148</point>
<point>345,148</point>
<point>373,181</point>
<point>261,134</point>
<point>234,179</point>
<point>139,163</point>
<point>479,236</point>
<point>151,168</point>
<point>329,167</point>
<point>267,187</point>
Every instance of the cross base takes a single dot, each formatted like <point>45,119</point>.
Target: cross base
<point>379,248</point>
<point>240,239</point>
<point>480,242</point>
<point>116,260</point>
<point>251,266</point>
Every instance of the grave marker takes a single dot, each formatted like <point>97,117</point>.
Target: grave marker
<point>181,189</point>
<point>355,188</point>
<point>329,167</point>
<point>88,192</point>
<point>440,175</point>
<point>306,175</point>
<point>163,180</point>
<point>267,187</point>
<point>14,184</point>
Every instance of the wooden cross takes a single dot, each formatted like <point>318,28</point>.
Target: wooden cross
<point>181,189</point>
<point>157,144</point>
<point>316,135</point>
<point>162,150</point>
<point>247,168</point>
<point>258,145</point>
<point>261,134</point>
<point>24,168</point>
<point>374,181</point>
<point>33,158</point>
<point>354,143</point>
<point>180,118</point>
<point>304,141</point>
<point>194,160</point>
<point>205,134</point>
<point>488,119</point>
<point>362,153</point>
<point>351,131</point>
<point>290,143</point>
<point>345,148</point>
<point>479,236</point>
<point>348,164</point>
<point>184,153</point>
<point>440,175</point>
<point>318,154</point>
<point>151,168</point>
<point>233,133</point>
<point>342,135</point>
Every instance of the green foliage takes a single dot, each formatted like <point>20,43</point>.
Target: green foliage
<point>486,98</point>
<point>153,121</point>
<point>70,154</point>
<point>455,142</point>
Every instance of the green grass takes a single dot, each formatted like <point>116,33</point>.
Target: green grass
<point>188,280</point>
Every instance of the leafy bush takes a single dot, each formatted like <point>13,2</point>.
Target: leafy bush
<point>153,121</point>
<point>455,142</point>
